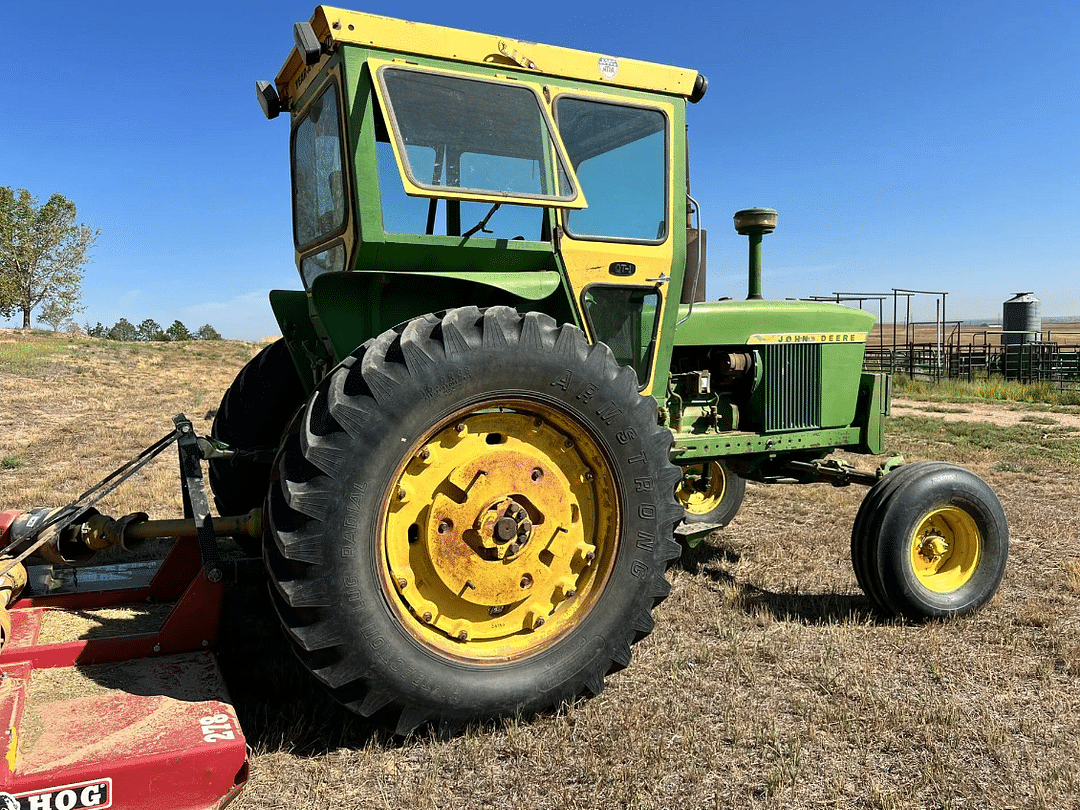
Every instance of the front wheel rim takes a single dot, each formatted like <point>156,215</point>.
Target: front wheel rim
<point>499,531</point>
<point>945,549</point>
<point>702,488</point>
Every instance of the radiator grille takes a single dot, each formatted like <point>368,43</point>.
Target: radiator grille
<point>791,381</point>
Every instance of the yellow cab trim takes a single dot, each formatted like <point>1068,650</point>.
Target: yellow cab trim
<point>335,26</point>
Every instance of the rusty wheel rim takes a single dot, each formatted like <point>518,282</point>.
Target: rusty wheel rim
<point>499,531</point>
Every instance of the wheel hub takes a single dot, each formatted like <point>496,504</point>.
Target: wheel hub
<point>933,548</point>
<point>504,531</point>
<point>945,549</point>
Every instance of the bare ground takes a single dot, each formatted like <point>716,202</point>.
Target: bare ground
<point>768,682</point>
<point>996,413</point>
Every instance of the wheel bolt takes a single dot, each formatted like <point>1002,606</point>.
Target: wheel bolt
<point>403,583</point>
<point>539,622</point>
<point>568,443</point>
<point>463,635</point>
<point>538,422</point>
<point>527,581</point>
<point>590,556</point>
<point>445,526</point>
<point>401,494</point>
<point>460,427</point>
<point>427,618</point>
<point>589,476</point>
<point>537,474</point>
<point>425,454</point>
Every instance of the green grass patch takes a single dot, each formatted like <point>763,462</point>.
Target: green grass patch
<point>1023,445</point>
<point>20,356</point>
<point>1039,420</point>
<point>992,388</point>
<point>11,463</point>
<point>944,409</point>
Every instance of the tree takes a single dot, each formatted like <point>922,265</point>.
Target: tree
<point>123,329</point>
<point>207,332</point>
<point>42,251</point>
<point>55,314</point>
<point>178,332</point>
<point>150,330</point>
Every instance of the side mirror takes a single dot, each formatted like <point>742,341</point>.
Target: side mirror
<point>268,99</point>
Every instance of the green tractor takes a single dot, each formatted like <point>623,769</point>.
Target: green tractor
<point>501,389</point>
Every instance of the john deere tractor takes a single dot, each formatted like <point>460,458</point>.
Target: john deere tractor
<point>501,388</point>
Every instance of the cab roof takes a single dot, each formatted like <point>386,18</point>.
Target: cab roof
<point>335,26</point>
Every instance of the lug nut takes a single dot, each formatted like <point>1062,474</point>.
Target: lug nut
<point>527,581</point>
<point>403,583</point>
<point>463,635</point>
<point>445,526</point>
<point>495,610</point>
<point>425,454</point>
<point>401,494</point>
<point>460,427</point>
<point>537,474</point>
<point>570,594</point>
<point>539,622</point>
<point>590,556</point>
<point>427,618</point>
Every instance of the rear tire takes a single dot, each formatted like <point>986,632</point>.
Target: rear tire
<point>472,520</point>
<point>930,541</point>
<point>253,414</point>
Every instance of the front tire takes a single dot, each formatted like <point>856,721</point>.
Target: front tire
<point>930,541</point>
<point>710,493</point>
<point>472,520</point>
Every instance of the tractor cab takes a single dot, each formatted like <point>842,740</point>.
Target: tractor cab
<point>434,167</point>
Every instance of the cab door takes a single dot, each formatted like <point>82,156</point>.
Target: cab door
<point>619,252</point>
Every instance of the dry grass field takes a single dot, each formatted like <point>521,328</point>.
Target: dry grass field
<point>1067,334</point>
<point>768,682</point>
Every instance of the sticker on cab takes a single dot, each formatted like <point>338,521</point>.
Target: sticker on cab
<point>609,67</point>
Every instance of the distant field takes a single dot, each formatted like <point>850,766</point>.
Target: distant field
<point>1063,333</point>
<point>768,682</point>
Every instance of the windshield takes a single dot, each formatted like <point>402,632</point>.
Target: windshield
<point>473,137</point>
<point>619,155</point>
<point>318,183</point>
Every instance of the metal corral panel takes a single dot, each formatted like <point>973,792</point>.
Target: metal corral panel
<point>791,379</point>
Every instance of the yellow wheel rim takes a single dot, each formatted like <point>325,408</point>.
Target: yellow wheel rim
<point>702,487</point>
<point>945,549</point>
<point>499,531</point>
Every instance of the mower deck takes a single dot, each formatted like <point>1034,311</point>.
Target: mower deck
<point>109,695</point>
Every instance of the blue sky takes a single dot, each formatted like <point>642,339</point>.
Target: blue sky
<point>906,144</point>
